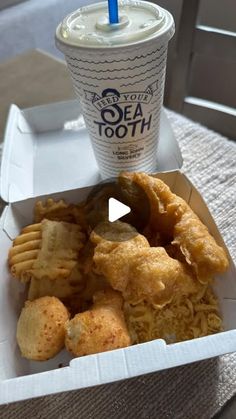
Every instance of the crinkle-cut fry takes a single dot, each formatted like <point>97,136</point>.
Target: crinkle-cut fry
<point>60,211</point>
<point>20,248</point>
<point>60,287</point>
<point>23,238</point>
<point>23,257</point>
<point>24,252</point>
<point>171,214</point>
<point>31,227</point>
<point>41,210</point>
<point>21,268</point>
<point>47,249</point>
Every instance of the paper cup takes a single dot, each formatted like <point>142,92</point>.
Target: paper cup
<point>121,93</point>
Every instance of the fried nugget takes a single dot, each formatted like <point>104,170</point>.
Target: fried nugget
<point>41,328</point>
<point>45,250</point>
<point>141,272</point>
<point>175,220</point>
<point>99,329</point>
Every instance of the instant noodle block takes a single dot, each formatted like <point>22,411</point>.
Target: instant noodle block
<point>23,379</point>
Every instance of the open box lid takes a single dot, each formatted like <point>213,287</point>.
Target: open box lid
<point>47,149</point>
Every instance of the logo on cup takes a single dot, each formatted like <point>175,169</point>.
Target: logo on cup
<point>122,114</point>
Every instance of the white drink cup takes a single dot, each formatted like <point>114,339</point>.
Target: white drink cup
<point>118,72</point>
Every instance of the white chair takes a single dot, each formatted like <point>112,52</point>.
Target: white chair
<point>201,76</point>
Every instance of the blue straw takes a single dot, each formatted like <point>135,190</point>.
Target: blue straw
<point>113,11</point>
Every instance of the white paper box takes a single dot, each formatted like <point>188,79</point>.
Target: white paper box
<point>21,379</point>
<point>45,152</point>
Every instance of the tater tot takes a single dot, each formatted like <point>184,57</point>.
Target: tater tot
<point>41,328</point>
<point>100,329</point>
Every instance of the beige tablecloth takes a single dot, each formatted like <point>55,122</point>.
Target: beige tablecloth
<point>194,391</point>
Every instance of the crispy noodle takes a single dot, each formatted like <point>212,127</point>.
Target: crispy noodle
<point>182,319</point>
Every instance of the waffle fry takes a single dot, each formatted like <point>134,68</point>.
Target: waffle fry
<point>45,250</point>
<point>62,288</point>
<point>60,211</point>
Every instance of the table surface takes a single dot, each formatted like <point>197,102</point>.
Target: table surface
<point>35,78</point>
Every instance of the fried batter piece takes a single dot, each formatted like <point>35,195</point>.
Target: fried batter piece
<point>46,250</point>
<point>41,328</point>
<point>175,220</point>
<point>140,272</point>
<point>100,329</point>
<point>156,278</point>
<point>115,251</point>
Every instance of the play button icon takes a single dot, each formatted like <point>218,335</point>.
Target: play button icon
<point>112,200</point>
<point>116,210</point>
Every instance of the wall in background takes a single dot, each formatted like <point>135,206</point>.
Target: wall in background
<point>218,13</point>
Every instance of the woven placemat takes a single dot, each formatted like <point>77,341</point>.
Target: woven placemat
<point>196,391</point>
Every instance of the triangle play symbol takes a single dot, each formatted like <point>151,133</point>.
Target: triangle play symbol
<point>116,209</point>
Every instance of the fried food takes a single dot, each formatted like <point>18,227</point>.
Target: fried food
<point>175,220</point>
<point>41,328</point>
<point>97,204</point>
<point>94,283</point>
<point>46,250</point>
<point>124,282</point>
<point>183,319</point>
<point>156,278</point>
<point>60,211</point>
<point>140,272</point>
<point>60,287</point>
<point>100,329</point>
<point>115,251</point>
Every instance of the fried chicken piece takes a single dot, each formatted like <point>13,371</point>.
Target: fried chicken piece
<point>175,220</point>
<point>41,328</point>
<point>47,249</point>
<point>156,278</point>
<point>100,329</point>
<point>114,251</point>
<point>141,272</point>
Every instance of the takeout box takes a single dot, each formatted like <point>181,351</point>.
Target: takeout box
<point>34,166</point>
